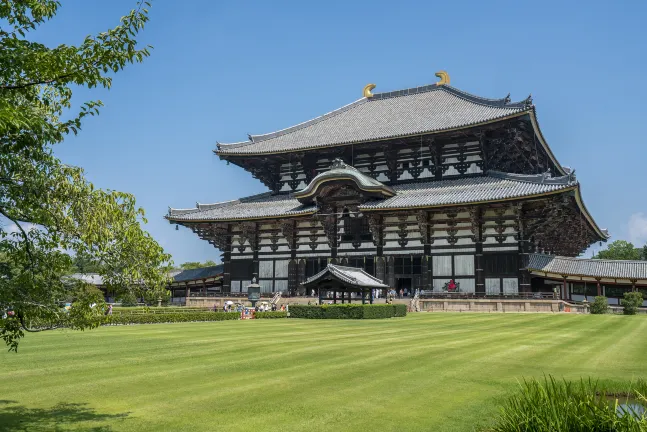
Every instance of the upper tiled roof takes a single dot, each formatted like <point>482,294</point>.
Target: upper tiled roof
<point>350,275</point>
<point>412,111</point>
<point>493,187</point>
<point>588,267</point>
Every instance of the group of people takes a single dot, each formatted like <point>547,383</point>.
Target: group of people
<point>263,307</point>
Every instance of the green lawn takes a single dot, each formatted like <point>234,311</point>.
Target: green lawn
<point>431,372</point>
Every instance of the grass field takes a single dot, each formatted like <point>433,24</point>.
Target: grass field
<point>431,372</point>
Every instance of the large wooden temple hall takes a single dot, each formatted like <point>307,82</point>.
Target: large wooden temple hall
<point>416,187</point>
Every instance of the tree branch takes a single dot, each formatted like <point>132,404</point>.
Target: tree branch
<point>24,235</point>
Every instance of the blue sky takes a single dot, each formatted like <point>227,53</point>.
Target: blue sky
<point>220,70</point>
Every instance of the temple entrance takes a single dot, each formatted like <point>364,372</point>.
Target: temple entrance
<point>404,284</point>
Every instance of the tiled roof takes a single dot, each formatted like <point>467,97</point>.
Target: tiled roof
<point>91,278</point>
<point>342,171</point>
<point>413,111</point>
<point>493,187</point>
<point>350,275</point>
<point>199,273</point>
<point>257,206</point>
<point>588,267</point>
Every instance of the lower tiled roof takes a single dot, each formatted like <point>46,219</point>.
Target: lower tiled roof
<point>199,273</point>
<point>588,267</point>
<point>350,275</point>
<point>493,187</point>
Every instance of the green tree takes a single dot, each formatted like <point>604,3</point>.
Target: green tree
<point>48,206</point>
<point>600,305</point>
<point>196,264</point>
<point>82,263</point>
<point>631,302</point>
<point>620,250</point>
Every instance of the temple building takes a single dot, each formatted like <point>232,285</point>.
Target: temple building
<point>416,187</point>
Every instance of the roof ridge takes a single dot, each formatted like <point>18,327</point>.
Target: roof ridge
<point>497,103</point>
<point>202,207</point>
<point>543,178</point>
<point>254,139</point>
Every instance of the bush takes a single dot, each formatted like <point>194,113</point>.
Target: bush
<point>270,315</point>
<point>551,405</point>
<point>347,311</point>
<point>400,310</point>
<point>144,318</point>
<point>128,299</point>
<point>600,305</point>
<point>631,302</point>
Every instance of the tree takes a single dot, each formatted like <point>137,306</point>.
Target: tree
<point>620,250</point>
<point>196,264</point>
<point>600,305</point>
<point>631,302</point>
<point>82,263</point>
<point>47,206</point>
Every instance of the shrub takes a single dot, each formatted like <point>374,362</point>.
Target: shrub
<point>270,315</point>
<point>631,302</point>
<point>347,311</point>
<point>551,405</point>
<point>144,318</point>
<point>600,305</point>
<point>128,299</point>
<point>400,310</point>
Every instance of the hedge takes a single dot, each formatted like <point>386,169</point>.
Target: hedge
<point>348,311</point>
<point>170,317</point>
<point>270,315</point>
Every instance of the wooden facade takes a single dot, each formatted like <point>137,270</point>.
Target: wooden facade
<point>417,239</point>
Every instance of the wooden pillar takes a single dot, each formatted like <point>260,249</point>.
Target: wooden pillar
<point>226,260</point>
<point>478,257</point>
<point>370,293</point>
<point>320,298</point>
<point>334,296</point>
<point>254,243</point>
<point>188,290</point>
<point>380,268</point>
<point>564,289</point>
<point>523,246</point>
<point>633,284</point>
<point>390,271</point>
<point>363,296</point>
<point>597,280</point>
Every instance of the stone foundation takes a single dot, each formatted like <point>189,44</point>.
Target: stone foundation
<point>497,305</point>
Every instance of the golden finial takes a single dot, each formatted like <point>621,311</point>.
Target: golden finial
<point>444,78</point>
<point>367,90</point>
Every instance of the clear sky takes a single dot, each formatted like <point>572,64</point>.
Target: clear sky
<point>220,70</point>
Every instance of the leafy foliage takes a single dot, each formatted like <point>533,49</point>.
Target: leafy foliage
<point>170,317</point>
<point>631,302</point>
<point>270,315</point>
<point>196,264</point>
<point>551,405</point>
<point>622,250</point>
<point>600,305</point>
<point>48,206</point>
<point>128,299</point>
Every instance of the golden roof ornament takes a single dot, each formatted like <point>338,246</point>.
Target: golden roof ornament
<point>444,77</point>
<point>367,90</point>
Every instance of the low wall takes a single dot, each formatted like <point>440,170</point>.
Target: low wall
<point>497,305</point>
<point>208,302</point>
